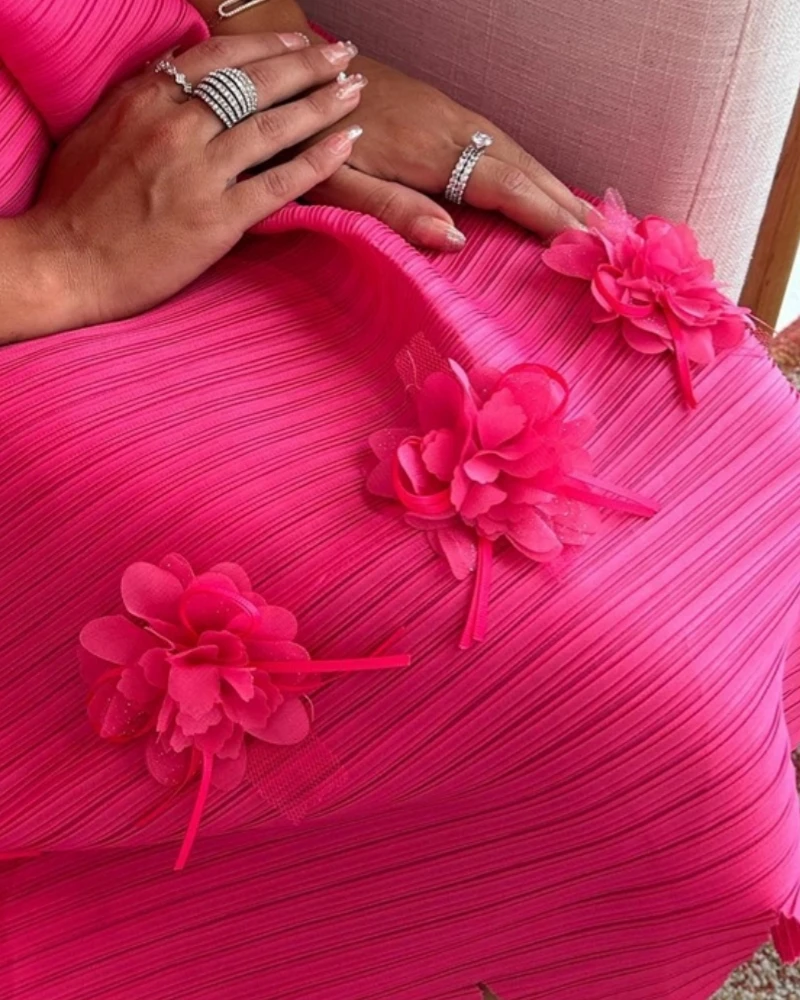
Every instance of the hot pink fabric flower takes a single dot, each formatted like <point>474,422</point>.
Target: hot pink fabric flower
<point>202,666</point>
<point>494,457</point>
<point>649,281</point>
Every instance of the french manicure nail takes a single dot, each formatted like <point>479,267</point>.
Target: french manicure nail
<point>340,52</point>
<point>295,40</point>
<point>342,141</point>
<point>437,234</point>
<point>350,85</point>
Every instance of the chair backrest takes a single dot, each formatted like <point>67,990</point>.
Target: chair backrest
<point>681,104</point>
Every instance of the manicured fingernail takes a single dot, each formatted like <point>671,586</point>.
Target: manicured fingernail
<point>295,40</point>
<point>437,234</point>
<point>342,141</point>
<point>349,85</point>
<point>340,52</point>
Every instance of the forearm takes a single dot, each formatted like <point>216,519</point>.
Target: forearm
<point>34,297</point>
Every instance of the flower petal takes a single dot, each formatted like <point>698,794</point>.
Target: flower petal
<point>116,639</point>
<point>235,573</point>
<point>149,591</point>
<point>575,254</point>
<point>459,549</point>
<point>642,340</point>
<point>252,715</point>
<point>277,624</point>
<point>134,686</point>
<point>228,773</point>
<point>195,689</point>
<point>179,567</point>
<point>700,346</point>
<point>156,668</point>
<point>441,402</point>
<point>191,725</point>
<point>167,767</point>
<point>215,738</point>
<point>500,419</point>
<point>440,452</point>
<point>480,499</point>
<point>240,679</point>
<point>290,724</point>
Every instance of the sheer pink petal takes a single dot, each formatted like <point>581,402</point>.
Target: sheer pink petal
<point>700,346</point>
<point>235,572</point>
<point>380,482</point>
<point>385,443</point>
<point>214,739</point>
<point>459,549</point>
<point>440,402</point>
<point>277,624</point>
<point>500,419</point>
<point>191,725</point>
<point>252,715</point>
<point>290,724</point>
<point>410,459</point>
<point>134,686</point>
<point>234,745</point>
<point>113,716</point>
<point>167,767</point>
<point>642,341</point>
<point>228,773</point>
<point>441,450</point>
<point>484,380</point>
<point>195,689</point>
<point>575,254</point>
<point>482,468</point>
<point>729,332</point>
<point>480,499</point>
<point>166,714</point>
<point>230,649</point>
<point>116,639</point>
<point>533,534</point>
<point>240,679</point>
<point>156,668</point>
<point>179,567</point>
<point>151,592</point>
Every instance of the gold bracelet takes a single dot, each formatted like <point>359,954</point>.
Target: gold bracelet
<point>230,8</point>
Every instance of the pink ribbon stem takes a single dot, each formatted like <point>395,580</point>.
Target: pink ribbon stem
<point>334,666</point>
<point>599,494</point>
<point>681,358</point>
<point>478,614</point>
<point>197,813</point>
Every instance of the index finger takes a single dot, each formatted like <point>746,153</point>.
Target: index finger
<point>236,51</point>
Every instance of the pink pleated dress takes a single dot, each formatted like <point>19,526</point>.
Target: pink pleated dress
<point>595,802</point>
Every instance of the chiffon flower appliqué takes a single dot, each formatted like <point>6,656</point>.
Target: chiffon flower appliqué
<point>493,458</point>
<point>201,668</point>
<point>650,283</point>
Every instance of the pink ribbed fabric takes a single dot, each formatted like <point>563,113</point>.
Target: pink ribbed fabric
<point>597,802</point>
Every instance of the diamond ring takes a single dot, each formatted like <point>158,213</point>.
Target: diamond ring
<point>467,162</point>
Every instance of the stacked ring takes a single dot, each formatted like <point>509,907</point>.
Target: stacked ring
<point>467,162</point>
<point>165,66</point>
<point>230,93</point>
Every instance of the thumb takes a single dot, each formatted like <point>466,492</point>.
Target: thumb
<point>413,215</point>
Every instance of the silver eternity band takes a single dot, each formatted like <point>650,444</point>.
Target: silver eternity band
<point>165,66</point>
<point>230,93</point>
<point>467,162</point>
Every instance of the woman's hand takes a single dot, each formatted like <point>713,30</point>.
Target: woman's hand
<point>144,197</point>
<point>413,138</point>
